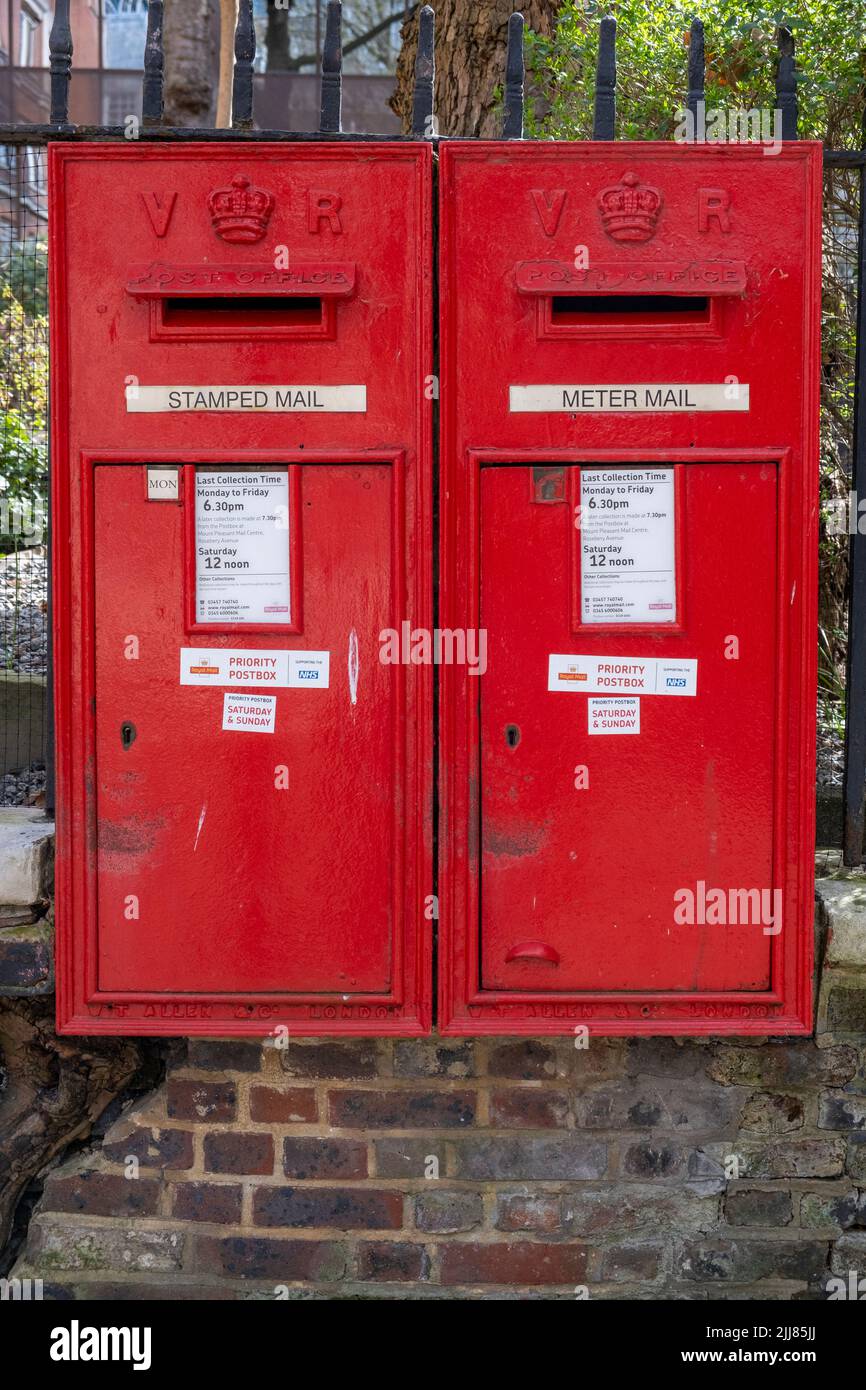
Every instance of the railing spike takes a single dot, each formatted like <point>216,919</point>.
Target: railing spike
<point>512,126</point>
<point>60,62</point>
<point>154,66</point>
<point>786,84</point>
<point>604,115</point>
<point>696,71</point>
<point>423,121</point>
<point>330,115</point>
<point>245,55</point>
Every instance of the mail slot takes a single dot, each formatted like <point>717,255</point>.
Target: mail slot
<point>629,502</point>
<point>241,460</point>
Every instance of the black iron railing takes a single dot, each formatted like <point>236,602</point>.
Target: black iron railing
<point>25,136</point>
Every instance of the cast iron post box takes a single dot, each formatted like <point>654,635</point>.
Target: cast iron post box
<point>630,337</point>
<point>241,446</point>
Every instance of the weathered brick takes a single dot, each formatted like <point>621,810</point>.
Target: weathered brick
<point>120,1247</point>
<point>782,1064</point>
<point>517,1211</point>
<point>269,1106</point>
<point>410,1158</point>
<point>345,1209</point>
<point>791,1158</point>
<point>348,1059</point>
<point>839,1210</point>
<point>207,1201</point>
<point>526,1060</point>
<point>520,1159</point>
<point>629,1208</point>
<point>846,1010</point>
<point>626,1264</point>
<point>667,1057</point>
<point>842,1111</point>
<point>771,1113</point>
<point>234,1054</point>
<point>434,1057</point>
<point>752,1207</point>
<point>745,1261</point>
<point>855,1162</point>
<point>401,1109</point>
<point>849,1254</point>
<point>101,1194</point>
<point>263,1257</point>
<point>324,1158</point>
<point>512,1262</point>
<point>654,1160</point>
<point>154,1148</point>
<point>26,959</point>
<point>215,1101</point>
<point>658,1104</point>
<point>528,1108</point>
<point>231,1152</point>
<point>391,1261</point>
<point>443,1211</point>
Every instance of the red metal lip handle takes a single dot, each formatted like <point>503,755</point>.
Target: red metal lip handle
<point>533,950</point>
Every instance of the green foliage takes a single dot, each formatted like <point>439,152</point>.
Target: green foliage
<point>23,417</point>
<point>652,47</point>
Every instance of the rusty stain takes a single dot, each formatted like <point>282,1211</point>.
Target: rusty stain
<point>128,837</point>
<point>511,845</point>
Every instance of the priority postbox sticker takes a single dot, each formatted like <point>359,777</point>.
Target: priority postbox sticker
<point>614,716</point>
<point>629,675</point>
<point>226,666</point>
<point>257,714</point>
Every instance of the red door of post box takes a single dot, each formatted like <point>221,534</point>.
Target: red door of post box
<point>629,500</point>
<point>241,456</point>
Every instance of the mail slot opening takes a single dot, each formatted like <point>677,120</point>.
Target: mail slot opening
<point>247,312</point>
<point>570,309</point>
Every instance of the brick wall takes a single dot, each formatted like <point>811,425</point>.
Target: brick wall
<point>459,1168</point>
<point>651,1168</point>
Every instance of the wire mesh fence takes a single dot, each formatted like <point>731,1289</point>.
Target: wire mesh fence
<point>24,633</point>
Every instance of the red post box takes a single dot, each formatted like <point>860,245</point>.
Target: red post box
<point>630,339</point>
<point>241,446</point>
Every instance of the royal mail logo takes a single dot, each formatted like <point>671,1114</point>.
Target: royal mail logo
<point>629,210</point>
<point>572,676</point>
<point>204,670</point>
<point>240,213</point>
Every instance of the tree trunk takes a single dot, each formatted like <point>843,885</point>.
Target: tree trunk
<point>228,25</point>
<point>471,39</point>
<point>277,38</point>
<point>54,1091</point>
<point>190,29</point>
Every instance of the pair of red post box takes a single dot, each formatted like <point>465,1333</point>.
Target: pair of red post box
<point>247,634</point>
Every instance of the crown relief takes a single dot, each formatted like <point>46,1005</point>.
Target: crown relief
<point>629,209</point>
<point>240,214</point>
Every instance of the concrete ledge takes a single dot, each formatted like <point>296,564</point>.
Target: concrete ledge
<point>26,856</point>
<point>841,909</point>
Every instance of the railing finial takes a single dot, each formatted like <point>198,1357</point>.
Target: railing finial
<point>154,66</point>
<point>786,84</point>
<point>512,126</point>
<point>245,55</point>
<point>330,116</point>
<point>423,120</point>
<point>604,114</point>
<point>60,62</point>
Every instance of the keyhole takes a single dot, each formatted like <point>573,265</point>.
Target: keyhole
<point>127,734</point>
<point>512,735</point>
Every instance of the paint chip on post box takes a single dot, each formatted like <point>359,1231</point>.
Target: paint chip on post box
<point>646,398</point>
<point>292,400</point>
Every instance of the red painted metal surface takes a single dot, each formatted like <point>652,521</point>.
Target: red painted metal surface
<point>570,861</point>
<point>211,880</point>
